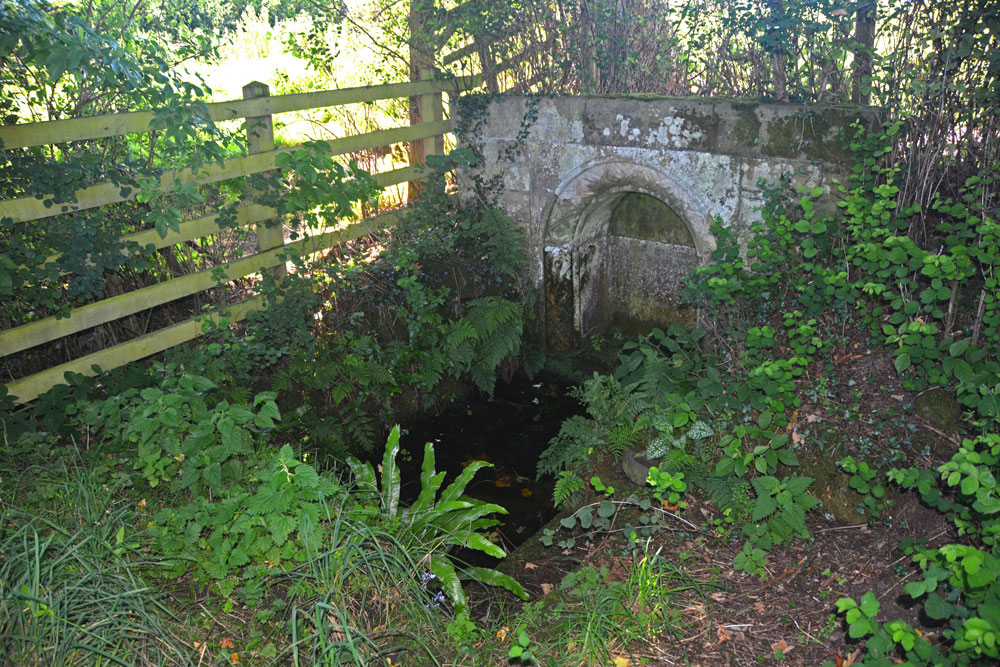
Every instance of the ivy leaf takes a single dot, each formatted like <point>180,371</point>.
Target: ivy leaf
<point>606,509</point>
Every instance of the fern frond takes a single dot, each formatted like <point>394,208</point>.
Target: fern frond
<point>568,486</point>
<point>677,460</point>
<point>576,436</point>
<point>728,493</point>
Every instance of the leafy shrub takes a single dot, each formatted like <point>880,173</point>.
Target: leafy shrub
<point>677,404</point>
<point>959,585</point>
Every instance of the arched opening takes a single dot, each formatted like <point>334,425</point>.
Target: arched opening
<point>619,239</point>
<point>649,251</point>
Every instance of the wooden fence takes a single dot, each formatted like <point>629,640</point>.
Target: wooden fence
<point>258,108</point>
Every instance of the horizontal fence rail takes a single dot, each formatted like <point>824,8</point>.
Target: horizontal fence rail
<point>116,125</point>
<point>257,108</point>
<point>26,209</point>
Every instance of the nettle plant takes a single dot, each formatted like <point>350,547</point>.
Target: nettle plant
<point>238,511</point>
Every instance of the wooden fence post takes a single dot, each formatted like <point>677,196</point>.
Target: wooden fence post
<point>432,111</point>
<point>427,108</point>
<point>260,139</point>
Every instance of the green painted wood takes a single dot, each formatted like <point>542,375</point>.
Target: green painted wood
<point>94,314</point>
<point>188,230</point>
<point>113,125</point>
<point>26,209</point>
<point>31,387</point>
<point>401,175</point>
<point>196,228</point>
<point>260,139</point>
<point>432,111</point>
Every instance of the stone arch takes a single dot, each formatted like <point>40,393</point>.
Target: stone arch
<point>592,277</point>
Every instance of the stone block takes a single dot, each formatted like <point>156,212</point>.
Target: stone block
<point>557,119</point>
<point>503,117</point>
<point>503,151</point>
<point>515,177</point>
<point>770,171</point>
<point>792,131</point>
<point>649,122</point>
<point>644,280</point>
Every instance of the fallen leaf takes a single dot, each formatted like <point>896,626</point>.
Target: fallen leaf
<point>797,437</point>
<point>235,658</point>
<point>226,642</point>
<point>782,645</point>
<point>620,661</point>
<point>760,608</point>
<point>527,493</point>
<point>719,596</point>
<point>547,588</point>
<point>502,633</point>
<point>530,566</point>
<point>724,635</point>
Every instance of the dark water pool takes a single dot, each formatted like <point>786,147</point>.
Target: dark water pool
<point>510,431</point>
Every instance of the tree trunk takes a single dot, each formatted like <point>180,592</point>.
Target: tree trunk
<point>864,35</point>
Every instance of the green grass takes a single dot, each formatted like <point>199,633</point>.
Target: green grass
<point>71,592</point>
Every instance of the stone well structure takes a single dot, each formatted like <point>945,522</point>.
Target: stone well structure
<point>617,193</point>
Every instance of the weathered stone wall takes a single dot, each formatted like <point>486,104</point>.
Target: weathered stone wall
<point>596,254</point>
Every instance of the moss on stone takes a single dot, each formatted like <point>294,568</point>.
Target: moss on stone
<point>832,487</point>
<point>641,216</point>
<point>938,407</point>
<point>748,124</point>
